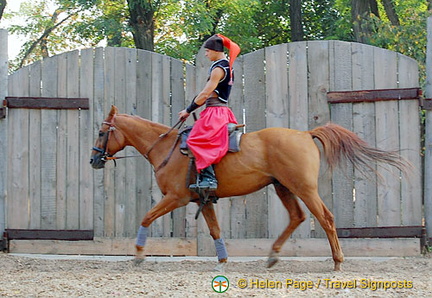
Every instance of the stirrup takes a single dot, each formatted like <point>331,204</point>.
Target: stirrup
<point>204,200</point>
<point>209,185</point>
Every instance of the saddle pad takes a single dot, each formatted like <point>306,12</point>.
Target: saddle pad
<point>233,144</point>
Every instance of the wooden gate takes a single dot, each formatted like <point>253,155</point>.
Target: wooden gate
<point>51,186</point>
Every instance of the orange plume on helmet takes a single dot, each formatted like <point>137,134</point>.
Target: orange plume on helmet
<point>234,50</point>
<point>217,42</point>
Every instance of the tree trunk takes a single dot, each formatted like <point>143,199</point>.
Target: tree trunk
<point>295,12</point>
<point>2,7</point>
<point>142,22</point>
<point>391,12</point>
<point>429,4</point>
<point>374,7</point>
<point>360,10</point>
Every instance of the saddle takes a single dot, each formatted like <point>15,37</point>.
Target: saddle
<point>234,135</point>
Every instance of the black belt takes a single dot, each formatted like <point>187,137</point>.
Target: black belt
<point>215,102</point>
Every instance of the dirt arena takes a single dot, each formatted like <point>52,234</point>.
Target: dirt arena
<point>31,276</point>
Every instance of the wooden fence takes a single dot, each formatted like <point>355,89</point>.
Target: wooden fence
<point>50,184</point>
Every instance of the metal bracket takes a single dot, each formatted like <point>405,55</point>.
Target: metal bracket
<point>4,243</point>
<point>426,104</point>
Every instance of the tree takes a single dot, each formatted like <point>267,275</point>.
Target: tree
<point>391,12</point>
<point>360,11</point>
<point>48,32</point>
<point>142,22</point>
<point>2,7</point>
<point>297,33</point>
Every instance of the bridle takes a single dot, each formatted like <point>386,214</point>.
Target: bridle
<point>105,155</point>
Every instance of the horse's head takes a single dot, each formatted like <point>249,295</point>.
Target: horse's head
<point>108,143</point>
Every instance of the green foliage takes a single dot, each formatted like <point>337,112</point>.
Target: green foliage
<point>180,27</point>
<point>410,38</point>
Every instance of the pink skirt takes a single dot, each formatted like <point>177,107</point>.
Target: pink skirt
<point>208,139</point>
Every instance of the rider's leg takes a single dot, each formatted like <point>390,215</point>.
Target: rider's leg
<point>208,179</point>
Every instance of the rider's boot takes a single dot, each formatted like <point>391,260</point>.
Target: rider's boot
<point>208,179</point>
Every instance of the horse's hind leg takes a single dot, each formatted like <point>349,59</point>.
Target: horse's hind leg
<point>296,214</point>
<point>326,220</point>
<point>213,225</point>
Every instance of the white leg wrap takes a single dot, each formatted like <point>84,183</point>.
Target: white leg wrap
<point>221,249</point>
<point>141,236</point>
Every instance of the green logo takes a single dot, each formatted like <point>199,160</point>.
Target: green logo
<point>220,284</point>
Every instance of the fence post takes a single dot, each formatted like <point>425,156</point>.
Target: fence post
<point>3,127</point>
<point>428,136</point>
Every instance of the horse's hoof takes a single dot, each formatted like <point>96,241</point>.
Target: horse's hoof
<point>337,267</point>
<point>271,261</point>
<point>138,261</point>
<point>220,267</point>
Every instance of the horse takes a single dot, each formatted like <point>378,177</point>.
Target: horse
<point>286,158</point>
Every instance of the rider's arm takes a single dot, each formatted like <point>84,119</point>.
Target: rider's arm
<point>216,75</point>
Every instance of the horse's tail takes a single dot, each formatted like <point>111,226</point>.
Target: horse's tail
<point>341,144</point>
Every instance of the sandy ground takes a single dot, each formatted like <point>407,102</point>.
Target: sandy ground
<point>38,276</point>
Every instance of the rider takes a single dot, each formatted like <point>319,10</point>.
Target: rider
<point>208,139</point>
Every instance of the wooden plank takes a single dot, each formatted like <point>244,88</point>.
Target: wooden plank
<point>73,140</point>
<point>36,234</point>
<point>343,185</point>
<point>86,119</point>
<point>3,125</point>
<point>365,205</point>
<point>144,108</point>
<point>97,118</point>
<point>17,212</point>
<point>319,114</point>
<point>387,138</point>
<point>177,104</point>
<point>374,95</point>
<point>379,232</point>
<point>166,112</point>
<point>106,246</point>
<point>110,75</point>
<point>131,220</point>
<point>277,108</point>
<point>34,149</point>
<point>49,136</point>
<point>120,173</point>
<point>298,109</point>
<point>62,148</point>
<point>253,222</point>
<point>47,103</point>
<point>236,247</point>
<point>157,227</point>
<point>191,225</point>
<point>320,247</point>
<point>427,194</point>
<point>409,134</point>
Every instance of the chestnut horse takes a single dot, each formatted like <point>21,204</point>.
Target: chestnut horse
<point>289,159</point>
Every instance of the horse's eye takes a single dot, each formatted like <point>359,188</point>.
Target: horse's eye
<point>101,133</point>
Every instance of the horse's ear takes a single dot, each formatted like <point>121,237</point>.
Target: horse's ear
<point>113,111</point>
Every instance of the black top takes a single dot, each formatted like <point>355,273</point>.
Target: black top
<point>223,89</point>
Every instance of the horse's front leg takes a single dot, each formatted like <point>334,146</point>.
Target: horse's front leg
<point>167,204</point>
<point>213,225</point>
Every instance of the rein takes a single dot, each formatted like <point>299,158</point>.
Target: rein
<point>165,161</point>
<point>106,156</point>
